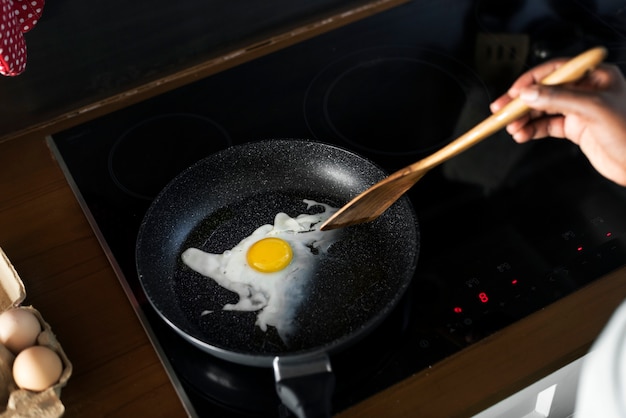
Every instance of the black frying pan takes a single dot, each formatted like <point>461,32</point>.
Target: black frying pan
<point>220,200</point>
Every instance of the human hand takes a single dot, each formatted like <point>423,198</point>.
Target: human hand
<point>591,113</point>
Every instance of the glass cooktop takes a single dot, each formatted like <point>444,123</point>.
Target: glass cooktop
<point>505,229</point>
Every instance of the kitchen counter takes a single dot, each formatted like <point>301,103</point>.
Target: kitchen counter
<point>117,373</point>
<point>69,280</point>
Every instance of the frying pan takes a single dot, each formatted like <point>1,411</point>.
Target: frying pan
<point>222,199</point>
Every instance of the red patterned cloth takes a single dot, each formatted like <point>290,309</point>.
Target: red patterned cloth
<point>16,18</point>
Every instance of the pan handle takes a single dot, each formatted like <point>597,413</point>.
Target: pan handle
<point>305,384</point>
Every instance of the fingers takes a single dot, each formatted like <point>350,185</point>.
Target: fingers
<point>558,100</point>
<point>548,106</point>
<point>605,76</point>
<point>534,76</point>
<point>499,103</point>
<point>602,78</point>
<point>529,78</point>
<point>549,126</point>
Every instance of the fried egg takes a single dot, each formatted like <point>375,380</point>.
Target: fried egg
<point>269,269</point>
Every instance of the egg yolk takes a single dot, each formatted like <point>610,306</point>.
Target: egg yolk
<point>269,255</point>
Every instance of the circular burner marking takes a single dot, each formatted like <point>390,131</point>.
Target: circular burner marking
<point>392,100</point>
<point>152,152</point>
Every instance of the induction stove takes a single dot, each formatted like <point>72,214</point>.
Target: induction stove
<point>505,229</point>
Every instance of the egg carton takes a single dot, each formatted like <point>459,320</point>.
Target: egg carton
<point>16,402</point>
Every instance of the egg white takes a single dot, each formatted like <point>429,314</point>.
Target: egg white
<point>275,296</point>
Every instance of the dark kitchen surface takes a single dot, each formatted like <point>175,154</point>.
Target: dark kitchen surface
<point>83,52</point>
<point>505,229</point>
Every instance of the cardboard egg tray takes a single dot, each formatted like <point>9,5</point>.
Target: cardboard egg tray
<point>16,402</point>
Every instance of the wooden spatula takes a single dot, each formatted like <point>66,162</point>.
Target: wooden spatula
<point>371,203</point>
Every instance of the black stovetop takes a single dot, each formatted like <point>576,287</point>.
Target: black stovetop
<point>505,229</point>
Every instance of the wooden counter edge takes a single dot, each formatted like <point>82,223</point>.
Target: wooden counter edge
<point>251,50</point>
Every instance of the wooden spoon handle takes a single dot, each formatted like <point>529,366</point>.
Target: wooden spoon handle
<point>572,70</point>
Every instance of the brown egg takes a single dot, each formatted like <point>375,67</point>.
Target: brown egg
<point>37,368</point>
<point>19,329</point>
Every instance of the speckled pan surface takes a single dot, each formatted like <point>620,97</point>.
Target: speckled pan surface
<point>221,199</point>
